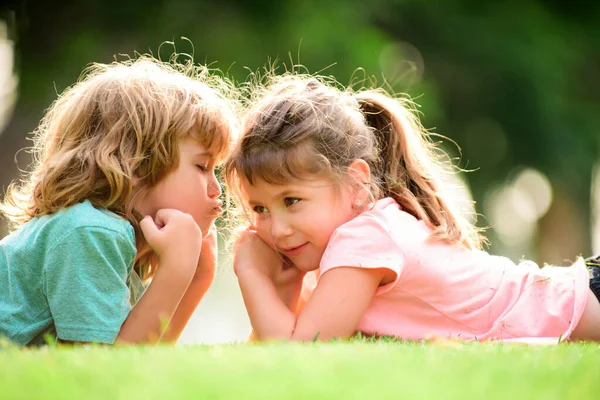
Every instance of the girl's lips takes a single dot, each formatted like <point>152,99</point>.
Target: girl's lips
<point>294,251</point>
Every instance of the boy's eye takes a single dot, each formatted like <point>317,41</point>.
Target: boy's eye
<point>259,209</point>
<point>290,201</point>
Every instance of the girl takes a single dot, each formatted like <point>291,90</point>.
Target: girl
<point>348,184</point>
<point>123,190</point>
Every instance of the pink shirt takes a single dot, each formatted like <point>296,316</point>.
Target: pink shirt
<point>449,291</point>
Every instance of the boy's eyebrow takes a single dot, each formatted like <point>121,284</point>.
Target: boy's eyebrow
<point>203,154</point>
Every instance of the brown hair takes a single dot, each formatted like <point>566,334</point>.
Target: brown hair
<point>120,123</point>
<point>302,124</point>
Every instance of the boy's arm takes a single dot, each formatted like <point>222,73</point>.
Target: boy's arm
<point>149,318</point>
<point>176,240</point>
<point>203,278</point>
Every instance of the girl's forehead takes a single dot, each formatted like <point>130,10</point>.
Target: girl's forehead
<point>260,188</point>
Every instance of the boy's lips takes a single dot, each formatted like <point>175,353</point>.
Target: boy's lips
<point>218,208</point>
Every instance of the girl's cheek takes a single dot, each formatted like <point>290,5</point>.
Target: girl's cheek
<point>262,232</point>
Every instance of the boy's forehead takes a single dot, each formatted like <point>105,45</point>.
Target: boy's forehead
<point>193,145</point>
<point>196,146</point>
<point>214,142</point>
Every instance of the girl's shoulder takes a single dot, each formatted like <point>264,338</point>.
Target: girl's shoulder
<point>384,226</point>
<point>387,217</point>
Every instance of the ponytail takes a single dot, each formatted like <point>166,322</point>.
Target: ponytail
<point>409,167</point>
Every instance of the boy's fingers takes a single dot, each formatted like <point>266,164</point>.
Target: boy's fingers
<point>162,217</point>
<point>149,229</point>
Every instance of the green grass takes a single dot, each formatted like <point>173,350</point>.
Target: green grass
<point>342,370</point>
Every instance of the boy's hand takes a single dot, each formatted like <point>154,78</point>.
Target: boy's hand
<point>207,262</point>
<point>175,238</point>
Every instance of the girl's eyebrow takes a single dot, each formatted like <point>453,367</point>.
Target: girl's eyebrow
<point>279,195</point>
<point>284,193</point>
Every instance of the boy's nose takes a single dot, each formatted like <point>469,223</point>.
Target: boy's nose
<point>214,188</point>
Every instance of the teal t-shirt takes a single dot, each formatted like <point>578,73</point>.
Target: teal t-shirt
<point>67,274</point>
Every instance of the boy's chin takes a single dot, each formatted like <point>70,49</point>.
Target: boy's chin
<point>206,229</point>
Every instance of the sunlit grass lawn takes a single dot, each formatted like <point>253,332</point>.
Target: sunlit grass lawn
<point>340,370</point>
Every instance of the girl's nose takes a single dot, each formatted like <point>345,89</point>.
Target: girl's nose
<point>280,227</point>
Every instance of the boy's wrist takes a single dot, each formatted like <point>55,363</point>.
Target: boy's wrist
<point>177,277</point>
<point>204,275</point>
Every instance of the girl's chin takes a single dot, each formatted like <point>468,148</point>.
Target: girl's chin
<point>307,267</point>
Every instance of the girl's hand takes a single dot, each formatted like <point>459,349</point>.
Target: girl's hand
<point>175,238</point>
<point>289,285</point>
<point>252,254</point>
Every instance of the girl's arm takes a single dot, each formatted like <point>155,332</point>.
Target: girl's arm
<point>203,278</point>
<point>288,284</point>
<point>334,309</point>
<point>289,290</point>
<point>176,239</point>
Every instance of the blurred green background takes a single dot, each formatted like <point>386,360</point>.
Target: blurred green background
<point>515,83</point>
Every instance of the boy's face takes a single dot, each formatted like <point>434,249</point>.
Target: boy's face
<point>298,219</point>
<point>191,188</point>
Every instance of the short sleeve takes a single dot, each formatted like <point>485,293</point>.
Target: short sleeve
<point>85,282</point>
<point>364,242</point>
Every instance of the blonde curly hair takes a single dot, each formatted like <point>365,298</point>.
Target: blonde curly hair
<point>120,124</point>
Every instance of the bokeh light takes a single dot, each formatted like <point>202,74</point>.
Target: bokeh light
<point>515,207</point>
<point>8,80</point>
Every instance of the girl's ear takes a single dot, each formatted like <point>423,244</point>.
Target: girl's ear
<point>360,175</point>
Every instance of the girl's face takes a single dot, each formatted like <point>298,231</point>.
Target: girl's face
<point>298,219</point>
<point>191,188</point>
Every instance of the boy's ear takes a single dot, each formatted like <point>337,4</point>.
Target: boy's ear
<point>360,173</point>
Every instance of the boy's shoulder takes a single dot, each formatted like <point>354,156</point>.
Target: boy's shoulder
<point>85,215</point>
<point>80,216</point>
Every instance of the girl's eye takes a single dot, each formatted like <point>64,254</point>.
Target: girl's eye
<point>203,168</point>
<point>259,209</point>
<point>290,201</point>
